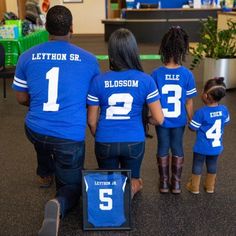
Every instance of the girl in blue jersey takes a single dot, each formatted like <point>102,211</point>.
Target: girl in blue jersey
<point>208,122</point>
<point>120,94</point>
<point>177,88</point>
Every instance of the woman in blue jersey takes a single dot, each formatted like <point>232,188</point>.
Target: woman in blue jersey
<point>208,122</point>
<point>121,93</point>
<point>177,87</point>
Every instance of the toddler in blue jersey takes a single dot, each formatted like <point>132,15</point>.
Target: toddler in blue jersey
<point>208,122</point>
<point>176,86</point>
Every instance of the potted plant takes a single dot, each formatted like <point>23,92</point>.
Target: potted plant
<point>217,48</point>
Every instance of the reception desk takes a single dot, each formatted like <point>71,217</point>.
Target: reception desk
<point>149,25</point>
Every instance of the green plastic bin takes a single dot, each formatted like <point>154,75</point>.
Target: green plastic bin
<point>11,51</point>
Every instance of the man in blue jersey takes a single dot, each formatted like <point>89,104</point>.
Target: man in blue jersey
<point>53,80</point>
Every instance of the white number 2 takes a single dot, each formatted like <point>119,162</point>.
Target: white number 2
<point>119,112</point>
<point>107,203</point>
<point>53,76</point>
<point>172,100</point>
<point>215,133</point>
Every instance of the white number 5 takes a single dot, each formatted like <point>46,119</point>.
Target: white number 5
<point>215,133</point>
<point>108,206</point>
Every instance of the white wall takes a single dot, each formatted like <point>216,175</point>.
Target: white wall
<point>87,16</point>
<point>11,5</point>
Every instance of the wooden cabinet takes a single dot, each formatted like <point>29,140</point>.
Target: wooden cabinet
<point>2,8</point>
<point>114,8</point>
<point>21,8</point>
<point>223,17</point>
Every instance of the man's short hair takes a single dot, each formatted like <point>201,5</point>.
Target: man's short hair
<point>58,21</point>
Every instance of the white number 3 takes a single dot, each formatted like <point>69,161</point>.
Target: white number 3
<point>215,133</point>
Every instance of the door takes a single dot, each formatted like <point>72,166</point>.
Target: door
<point>2,8</point>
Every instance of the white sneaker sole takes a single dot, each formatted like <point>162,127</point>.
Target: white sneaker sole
<point>51,219</point>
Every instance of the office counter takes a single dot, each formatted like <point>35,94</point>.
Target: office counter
<point>149,25</point>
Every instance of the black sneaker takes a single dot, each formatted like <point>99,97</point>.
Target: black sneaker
<point>51,220</point>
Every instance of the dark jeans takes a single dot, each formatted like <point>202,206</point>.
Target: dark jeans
<point>199,160</point>
<point>123,155</point>
<point>170,139</point>
<point>68,160</point>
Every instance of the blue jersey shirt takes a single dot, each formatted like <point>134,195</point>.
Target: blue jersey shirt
<point>209,124</point>
<point>56,75</point>
<point>175,86</point>
<point>121,96</point>
<point>105,194</point>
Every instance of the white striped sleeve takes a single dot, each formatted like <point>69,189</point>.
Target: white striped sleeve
<point>153,94</point>
<point>195,124</point>
<point>190,92</point>
<point>227,119</point>
<point>92,98</point>
<point>20,83</point>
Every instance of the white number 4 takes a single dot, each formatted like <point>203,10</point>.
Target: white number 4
<point>215,133</point>
<point>106,204</point>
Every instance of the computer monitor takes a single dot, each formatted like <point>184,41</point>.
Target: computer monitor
<point>148,5</point>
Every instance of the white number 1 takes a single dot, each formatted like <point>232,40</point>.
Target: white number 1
<point>215,133</point>
<point>53,76</point>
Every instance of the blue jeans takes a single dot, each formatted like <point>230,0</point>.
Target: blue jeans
<point>199,160</point>
<point>123,155</point>
<point>170,139</point>
<point>68,161</point>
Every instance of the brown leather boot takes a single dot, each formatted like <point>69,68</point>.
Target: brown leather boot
<point>163,166</point>
<point>176,167</point>
<point>210,183</point>
<point>193,184</point>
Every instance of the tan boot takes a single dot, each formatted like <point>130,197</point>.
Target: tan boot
<point>136,186</point>
<point>210,183</point>
<point>193,184</point>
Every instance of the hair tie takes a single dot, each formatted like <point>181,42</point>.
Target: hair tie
<point>215,87</point>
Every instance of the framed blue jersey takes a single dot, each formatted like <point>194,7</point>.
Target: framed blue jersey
<point>106,199</point>
<point>209,124</point>
<point>175,87</point>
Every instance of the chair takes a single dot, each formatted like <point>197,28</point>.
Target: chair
<point>5,72</point>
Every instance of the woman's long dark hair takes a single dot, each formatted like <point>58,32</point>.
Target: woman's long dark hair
<point>123,51</point>
<point>174,45</point>
<point>124,55</point>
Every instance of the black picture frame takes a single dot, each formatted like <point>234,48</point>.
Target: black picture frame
<point>92,204</point>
